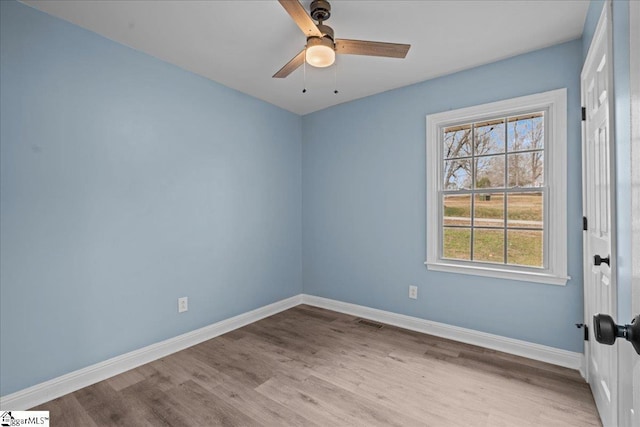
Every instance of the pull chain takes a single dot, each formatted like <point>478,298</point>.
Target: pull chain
<point>304,72</point>
<point>335,77</point>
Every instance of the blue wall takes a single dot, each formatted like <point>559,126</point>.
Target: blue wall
<point>364,205</point>
<point>126,183</point>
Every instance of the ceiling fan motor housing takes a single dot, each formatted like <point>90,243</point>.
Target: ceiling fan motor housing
<point>320,10</point>
<point>326,31</point>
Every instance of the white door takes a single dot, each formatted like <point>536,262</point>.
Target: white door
<point>598,198</point>
<point>631,360</point>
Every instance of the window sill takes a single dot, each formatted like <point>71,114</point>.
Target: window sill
<point>488,271</point>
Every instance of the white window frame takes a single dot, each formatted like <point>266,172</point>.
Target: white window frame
<point>554,104</point>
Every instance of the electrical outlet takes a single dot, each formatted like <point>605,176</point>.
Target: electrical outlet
<point>413,292</point>
<point>183,304</point>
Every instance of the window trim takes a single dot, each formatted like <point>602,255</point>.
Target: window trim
<point>555,105</point>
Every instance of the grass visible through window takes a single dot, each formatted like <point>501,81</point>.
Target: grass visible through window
<point>524,210</point>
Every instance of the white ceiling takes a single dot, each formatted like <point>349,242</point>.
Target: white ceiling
<point>242,43</point>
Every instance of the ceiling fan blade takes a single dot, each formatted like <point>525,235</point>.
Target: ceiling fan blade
<point>290,66</point>
<point>361,47</point>
<point>301,17</point>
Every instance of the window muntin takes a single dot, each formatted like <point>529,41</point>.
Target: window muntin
<point>493,193</point>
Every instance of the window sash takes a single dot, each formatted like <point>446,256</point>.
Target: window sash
<point>505,227</point>
<point>504,189</point>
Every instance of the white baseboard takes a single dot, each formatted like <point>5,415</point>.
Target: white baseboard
<point>68,383</point>
<point>543,353</point>
<point>56,387</point>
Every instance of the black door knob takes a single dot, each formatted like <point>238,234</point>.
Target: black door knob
<point>606,331</point>
<point>597,260</point>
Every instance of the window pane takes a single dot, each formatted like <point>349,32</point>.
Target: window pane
<point>525,210</point>
<point>526,132</point>
<point>457,243</point>
<point>488,210</point>
<point>488,245</point>
<point>457,174</point>
<point>457,209</point>
<point>525,248</point>
<point>457,141</point>
<point>489,137</point>
<point>526,169</point>
<point>490,172</point>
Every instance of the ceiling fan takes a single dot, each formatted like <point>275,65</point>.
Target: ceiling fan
<point>322,47</point>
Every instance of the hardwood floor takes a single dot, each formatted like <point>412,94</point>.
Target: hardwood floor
<point>308,366</point>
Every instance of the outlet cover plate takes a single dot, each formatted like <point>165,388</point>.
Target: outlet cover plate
<point>413,292</point>
<point>183,304</point>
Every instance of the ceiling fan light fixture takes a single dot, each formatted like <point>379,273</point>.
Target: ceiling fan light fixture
<point>320,52</point>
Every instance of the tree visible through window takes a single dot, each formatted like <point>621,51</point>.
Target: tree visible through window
<point>493,191</point>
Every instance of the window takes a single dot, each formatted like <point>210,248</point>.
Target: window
<point>496,189</point>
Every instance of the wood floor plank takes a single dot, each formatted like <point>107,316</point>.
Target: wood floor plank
<point>245,366</point>
<point>202,408</point>
<point>125,379</point>
<point>525,398</point>
<point>147,394</point>
<point>108,407</point>
<point>429,397</point>
<point>262,409</point>
<point>183,368</point>
<point>278,390</point>
<point>359,408</point>
<point>310,366</point>
<point>66,411</point>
